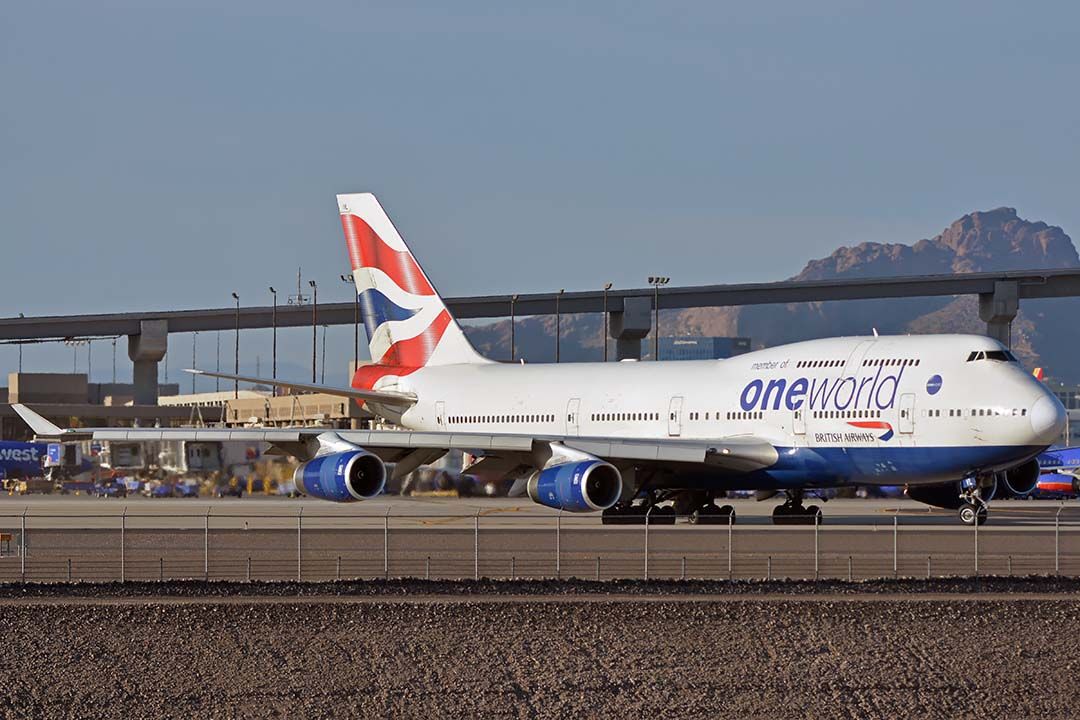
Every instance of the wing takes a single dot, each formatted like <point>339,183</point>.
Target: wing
<point>376,396</point>
<point>501,452</point>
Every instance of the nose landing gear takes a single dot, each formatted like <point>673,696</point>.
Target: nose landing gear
<point>972,506</point>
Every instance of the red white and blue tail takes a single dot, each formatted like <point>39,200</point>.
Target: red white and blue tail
<point>408,325</point>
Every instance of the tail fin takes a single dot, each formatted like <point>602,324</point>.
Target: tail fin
<point>408,325</point>
<point>1038,373</point>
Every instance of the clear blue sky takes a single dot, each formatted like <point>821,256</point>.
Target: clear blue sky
<point>160,155</point>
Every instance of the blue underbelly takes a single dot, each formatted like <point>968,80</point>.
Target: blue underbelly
<point>837,466</point>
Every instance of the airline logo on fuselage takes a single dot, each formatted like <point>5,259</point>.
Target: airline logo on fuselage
<point>877,392</point>
<point>19,454</point>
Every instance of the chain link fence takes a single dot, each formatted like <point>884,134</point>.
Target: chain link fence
<point>124,546</point>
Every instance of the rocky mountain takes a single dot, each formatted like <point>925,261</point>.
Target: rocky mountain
<point>985,241</point>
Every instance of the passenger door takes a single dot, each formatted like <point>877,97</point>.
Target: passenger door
<point>799,422</point>
<point>573,408</point>
<point>907,414</point>
<point>674,428</point>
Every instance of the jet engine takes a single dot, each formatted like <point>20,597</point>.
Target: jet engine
<point>582,486</point>
<point>1021,480</point>
<point>342,476</point>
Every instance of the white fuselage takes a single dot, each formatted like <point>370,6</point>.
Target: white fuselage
<point>862,409</point>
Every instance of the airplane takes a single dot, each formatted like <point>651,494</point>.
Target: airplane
<point>947,416</point>
<point>21,459</point>
<point>1059,472</point>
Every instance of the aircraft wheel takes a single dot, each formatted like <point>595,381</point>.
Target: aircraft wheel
<point>710,514</point>
<point>970,513</point>
<point>627,515</point>
<point>661,516</point>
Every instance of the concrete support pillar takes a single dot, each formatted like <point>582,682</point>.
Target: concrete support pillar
<point>998,309</point>
<point>146,350</point>
<point>629,325</point>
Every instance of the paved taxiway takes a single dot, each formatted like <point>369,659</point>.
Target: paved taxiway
<point>274,538</point>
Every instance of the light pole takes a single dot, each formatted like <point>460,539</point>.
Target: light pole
<point>314,328</point>
<point>607,287</point>
<point>558,323</point>
<point>513,301</point>
<point>20,350</point>
<point>656,282</point>
<point>355,321</point>
<point>273,324</point>
<point>217,381</point>
<point>322,374</point>
<point>194,340</point>
<point>113,361</point>
<point>236,351</point>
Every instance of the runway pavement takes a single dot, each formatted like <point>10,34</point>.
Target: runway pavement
<point>276,538</point>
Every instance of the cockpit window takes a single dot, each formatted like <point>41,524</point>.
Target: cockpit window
<point>999,355</point>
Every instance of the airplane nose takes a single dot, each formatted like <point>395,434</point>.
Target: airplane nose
<point>1047,417</point>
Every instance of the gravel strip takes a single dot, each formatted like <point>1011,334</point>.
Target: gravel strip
<point>532,659</point>
<point>408,587</point>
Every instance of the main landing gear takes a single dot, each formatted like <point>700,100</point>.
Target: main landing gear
<point>972,506</point>
<point>793,512</point>
<point>697,507</point>
<point>629,514</point>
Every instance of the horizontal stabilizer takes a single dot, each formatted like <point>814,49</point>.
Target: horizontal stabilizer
<point>375,396</point>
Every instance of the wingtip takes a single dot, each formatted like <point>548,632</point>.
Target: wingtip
<point>40,426</point>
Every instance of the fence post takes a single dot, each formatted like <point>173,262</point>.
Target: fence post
<point>597,568</point>
<point>69,569</point>
<point>386,544</point>
<point>895,545</point>
<point>427,568</point>
<point>928,569</point>
<point>337,575</point>
<point>123,531</point>
<point>299,544</point>
<point>476,545</point>
<point>730,525</point>
<point>1010,566</point>
<point>817,527</point>
<point>513,567</point>
<point>558,545</point>
<point>161,569</point>
<point>768,569</point>
<point>206,546</point>
<point>684,567</point>
<point>647,540</point>
<point>247,575</point>
<point>1057,540</point>
<point>22,545</point>
<point>849,574</point>
<point>976,544</point>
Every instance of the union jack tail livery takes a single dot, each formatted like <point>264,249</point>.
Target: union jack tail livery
<point>408,325</point>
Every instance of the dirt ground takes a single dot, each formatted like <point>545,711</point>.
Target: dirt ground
<point>775,657</point>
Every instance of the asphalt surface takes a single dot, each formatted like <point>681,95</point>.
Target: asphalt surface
<point>542,657</point>
<point>278,539</point>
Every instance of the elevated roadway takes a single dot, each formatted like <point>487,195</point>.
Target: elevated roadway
<point>630,310</point>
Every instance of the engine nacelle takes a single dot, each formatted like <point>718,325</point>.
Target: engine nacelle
<point>1022,480</point>
<point>582,486</point>
<point>342,477</point>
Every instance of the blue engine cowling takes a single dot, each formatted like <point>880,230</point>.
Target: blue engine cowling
<point>585,486</point>
<point>342,477</point>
